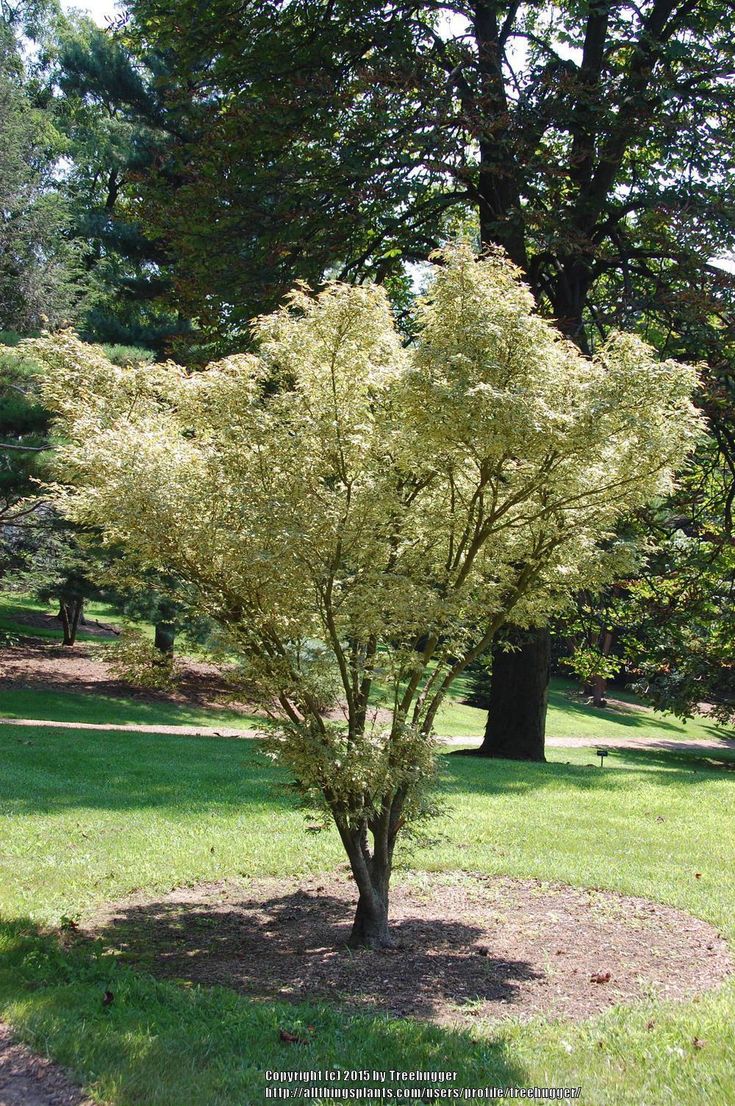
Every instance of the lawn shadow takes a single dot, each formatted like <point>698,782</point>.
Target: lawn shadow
<point>628,717</point>
<point>48,770</point>
<point>185,1046</point>
<point>109,702</point>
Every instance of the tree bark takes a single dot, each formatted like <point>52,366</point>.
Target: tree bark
<point>372,872</point>
<point>370,927</point>
<point>165,636</point>
<point>597,688</point>
<point>519,683</point>
<point>70,613</point>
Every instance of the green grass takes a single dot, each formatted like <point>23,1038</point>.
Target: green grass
<point>87,817</point>
<point>66,706</point>
<point>14,609</point>
<point>569,716</point>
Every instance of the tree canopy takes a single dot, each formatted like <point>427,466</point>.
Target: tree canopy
<point>38,265</point>
<point>351,510</point>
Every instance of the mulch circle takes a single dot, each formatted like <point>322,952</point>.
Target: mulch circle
<point>470,946</point>
<point>27,1079</point>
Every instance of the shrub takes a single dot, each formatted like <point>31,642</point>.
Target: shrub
<point>135,660</point>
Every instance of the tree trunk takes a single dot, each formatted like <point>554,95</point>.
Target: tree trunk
<point>598,689</point>
<point>519,683</point>
<point>165,636</point>
<point>372,875</point>
<point>370,927</point>
<point>70,614</point>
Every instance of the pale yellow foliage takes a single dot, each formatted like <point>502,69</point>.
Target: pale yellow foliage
<point>395,504</point>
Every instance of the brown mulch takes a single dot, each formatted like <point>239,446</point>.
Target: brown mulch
<point>27,1079</point>
<point>470,946</point>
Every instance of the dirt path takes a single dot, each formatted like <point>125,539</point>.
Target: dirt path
<point>703,745</point>
<point>43,666</point>
<point>27,1079</point>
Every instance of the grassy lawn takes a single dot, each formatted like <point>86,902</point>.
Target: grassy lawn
<point>87,817</point>
<point>568,716</point>
<point>571,717</point>
<point>67,706</point>
<point>14,608</point>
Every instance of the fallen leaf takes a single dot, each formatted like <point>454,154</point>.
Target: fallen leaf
<point>290,1038</point>
<point>698,1042</point>
<point>600,977</point>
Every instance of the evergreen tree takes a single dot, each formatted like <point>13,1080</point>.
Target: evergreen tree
<point>39,279</point>
<point>593,142</point>
<point>109,110</point>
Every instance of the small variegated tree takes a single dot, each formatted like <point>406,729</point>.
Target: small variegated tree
<point>337,497</point>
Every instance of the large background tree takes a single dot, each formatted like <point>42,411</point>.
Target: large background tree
<point>108,105</point>
<point>593,141</point>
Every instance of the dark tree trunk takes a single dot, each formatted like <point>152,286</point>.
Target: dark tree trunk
<point>70,613</point>
<point>370,927</point>
<point>372,873</point>
<point>519,687</point>
<point>596,690</point>
<point>165,637</point>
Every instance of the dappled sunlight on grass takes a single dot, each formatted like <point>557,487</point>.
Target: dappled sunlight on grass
<point>569,716</point>
<point>68,706</point>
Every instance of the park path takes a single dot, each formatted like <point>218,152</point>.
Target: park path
<point>701,745</point>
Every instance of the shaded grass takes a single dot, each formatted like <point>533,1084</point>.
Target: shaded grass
<point>15,608</point>
<point>67,706</point>
<point>86,818</point>
<point>569,716</point>
<point>163,1044</point>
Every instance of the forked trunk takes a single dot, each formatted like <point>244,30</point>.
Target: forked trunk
<point>370,927</point>
<point>372,876</point>
<point>70,615</point>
